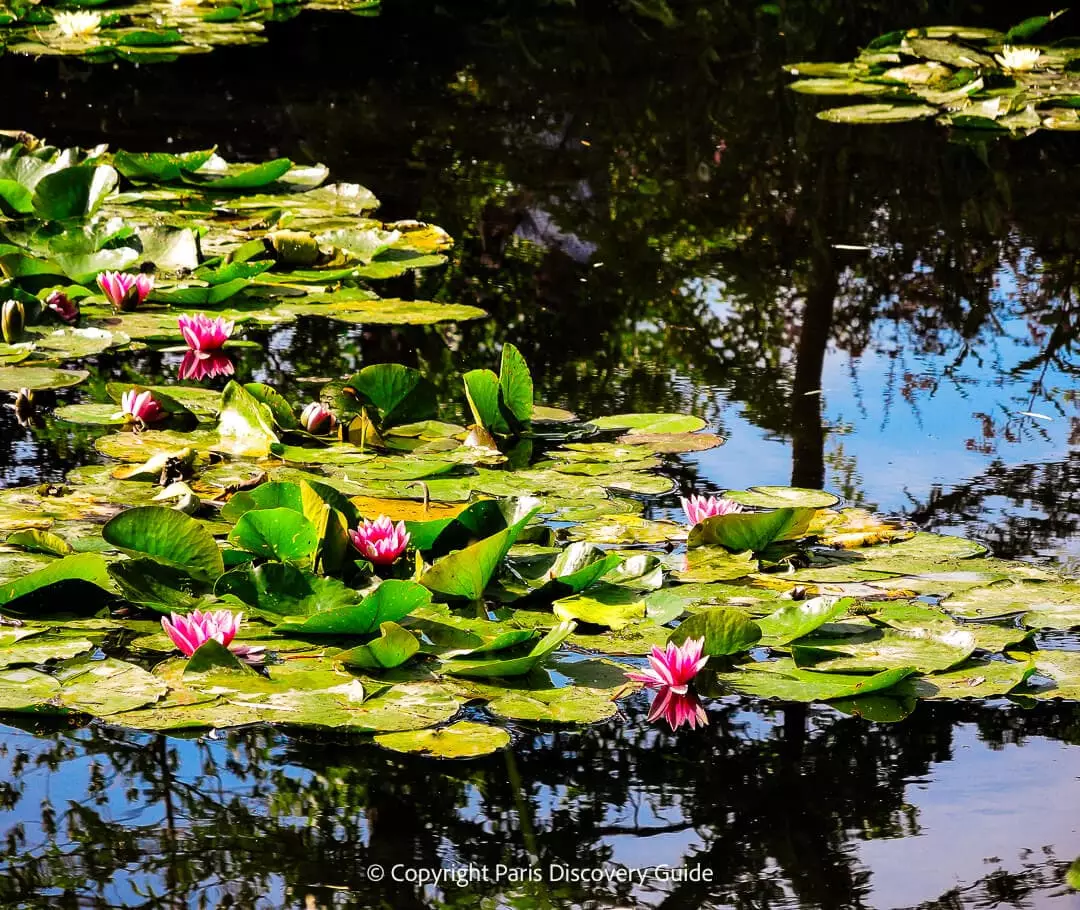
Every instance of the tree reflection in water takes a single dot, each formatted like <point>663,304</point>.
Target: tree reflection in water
<point>774,803</point>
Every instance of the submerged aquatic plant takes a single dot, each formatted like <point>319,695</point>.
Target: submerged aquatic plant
<point>380,541</point>
<point>198,366</point>
<point>77,23</point>
<point>140,408</point>
<point>670,673</point>
<point>203,334</point>
<point>317,419</point>
<point>125,292</point>
<point>698,508</point>
<point>62,307</point>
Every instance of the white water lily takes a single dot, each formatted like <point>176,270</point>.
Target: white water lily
<point>1018,59</point>
<point>74,24</point>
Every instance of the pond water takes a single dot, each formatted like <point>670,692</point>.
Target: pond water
<point>659,226</point>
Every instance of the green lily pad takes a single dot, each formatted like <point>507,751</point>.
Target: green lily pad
<point>83,567</point>
<point>511,666</point>
<point>724,629</point>
<point>795,620</point>
<point>741,531</point>
<point>783,497</point>
<point>781,679</point>
<point>465,739</point>
<point>927,650</point>
<point>650,424</point>
<point>606,605</point>
<point>973,679</point>
<point>392,648</point>
<point>392,601</point>
<point>168,536</point>
<point>25,689</point>
<point>39,378</point>
<point>282,534</point>
<point>105,687</point>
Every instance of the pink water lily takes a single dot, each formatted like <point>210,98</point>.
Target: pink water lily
<point>380,541</point>
<point>124,291</point>
<point>198,366</point>
<point>204,334</point>
<point>670,672</point>
<point>678,710</point>
<point>317,420</point>
<point>140,407</point>
<point>194,630</point>
<point>698,508</point>
<point>62,307</point>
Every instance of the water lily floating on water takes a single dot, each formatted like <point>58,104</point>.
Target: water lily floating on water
<point>199,366</point>
<point>62,307</point>
<point>317,419</point>
<point>380,541</point>
<point>698,508</point>
<point>76,24</point>
<point>203,334</point>
<point>140,408</point>
<point>670,673</point>
<point>124,291</point>
<point>1018,59</point>
<point>191,632</point>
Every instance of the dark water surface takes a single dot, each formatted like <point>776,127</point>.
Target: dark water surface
<point>658,225</point>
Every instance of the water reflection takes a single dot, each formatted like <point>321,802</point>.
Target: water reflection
<point>883,311</point>
<point>790,808</point>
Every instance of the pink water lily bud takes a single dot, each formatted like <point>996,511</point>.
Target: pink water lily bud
<point>317,420</point>
<point>195,629</point>
<point>670,672</point>
<point>380,541</point>
<point>62,307</point>
<point>124,291</point>
<point>204,334</point>
<point>198,366</point>
<point>698,508</point>
<point>140,407</point>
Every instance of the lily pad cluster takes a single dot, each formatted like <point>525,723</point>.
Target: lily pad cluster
<point>255,244</point>
<point>532,582</point>
<point>151,32</point>
<point>964,78</point>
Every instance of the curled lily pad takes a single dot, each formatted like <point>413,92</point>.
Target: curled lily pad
<point>781,679</point>
<point>754,531</point>
<point>168,536</point>
<point>511,666</point>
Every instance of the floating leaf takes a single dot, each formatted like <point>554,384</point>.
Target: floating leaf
<point>168,536</point>
<point>724,629</point>
<point>465,739</point>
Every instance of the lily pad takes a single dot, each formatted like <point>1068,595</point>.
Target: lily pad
<point>465,739</point>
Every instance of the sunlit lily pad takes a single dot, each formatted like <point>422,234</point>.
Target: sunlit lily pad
<point>465,739</point>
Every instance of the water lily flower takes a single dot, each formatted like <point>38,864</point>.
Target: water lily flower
<point>380,541</point>
<point>140,408</point>
<point>62,307</point>
<point>1018,59</point>
<point>77,23</point>
<point>670,673</point>
<point>698,508</point>
<point>124,291</point>
<point>317,420</point>
<point>200,366</point>
<point>191,632</point>
<point>204,334</point>
<point>12,321</point>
